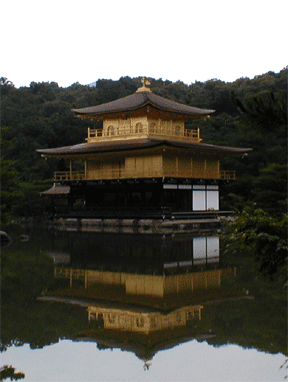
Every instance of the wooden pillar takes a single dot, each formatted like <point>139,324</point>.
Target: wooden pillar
<point>86,279</point>
<point>70,169</point>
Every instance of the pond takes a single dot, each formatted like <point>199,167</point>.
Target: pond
<point>105,306</point>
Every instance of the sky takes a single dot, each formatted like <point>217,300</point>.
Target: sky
<point>68,41</point>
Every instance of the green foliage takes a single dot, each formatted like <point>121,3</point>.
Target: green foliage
<point>10,192</point>
<point>270,189</point>
<point>264,110</point>
<point>261,236</point>
<point>32,205</point>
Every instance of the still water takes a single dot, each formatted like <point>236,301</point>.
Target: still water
<point>95,306</point>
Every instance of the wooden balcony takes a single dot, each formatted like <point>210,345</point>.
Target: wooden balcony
<point>228,175</point>
<point>167,132</point>
<point>146,173</point>
<point>69,175</point>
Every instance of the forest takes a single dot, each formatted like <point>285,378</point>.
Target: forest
<point>249,113</point>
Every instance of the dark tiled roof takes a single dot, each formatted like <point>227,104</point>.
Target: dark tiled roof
<point>133,144</point>
<point>57,190</point>
<point>138,100</point>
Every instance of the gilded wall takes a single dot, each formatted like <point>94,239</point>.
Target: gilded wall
<point>170,164</point>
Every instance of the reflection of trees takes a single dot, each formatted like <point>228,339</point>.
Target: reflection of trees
<point>232,315</point>
<point>40,323</point>
<point>9,372</point>
<point>258,323</point>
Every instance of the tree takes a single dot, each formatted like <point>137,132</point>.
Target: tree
<point>10,192</point>
<point>270,189</point>
<point>5,85</point>
<point>263,110</point>
<point>262,236</point>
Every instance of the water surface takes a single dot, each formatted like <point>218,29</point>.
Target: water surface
<point>95,306</point>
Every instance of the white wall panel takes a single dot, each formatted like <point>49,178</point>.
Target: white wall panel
<point>212,200</point>
<point>199,200</point>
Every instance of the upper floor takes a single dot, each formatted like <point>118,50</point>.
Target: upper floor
<point>142,127</point>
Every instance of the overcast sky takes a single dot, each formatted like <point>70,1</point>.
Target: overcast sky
<point>187,40</point>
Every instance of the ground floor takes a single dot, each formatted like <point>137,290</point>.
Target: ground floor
<point>132,198</point>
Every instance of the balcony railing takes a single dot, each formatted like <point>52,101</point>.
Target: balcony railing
<point>69,175</point>
<point>95,135</point>
<point>145,173</point>
<point>227,175</point>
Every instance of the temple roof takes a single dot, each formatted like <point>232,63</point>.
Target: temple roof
<point>134,144</point>
<point>138,100</point>
<point>142,345</point>
<point>57,190</point>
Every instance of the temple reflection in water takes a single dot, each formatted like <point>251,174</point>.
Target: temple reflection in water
<point>144,294</point>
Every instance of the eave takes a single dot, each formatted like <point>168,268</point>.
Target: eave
<point>142,102</point>
<point>86,149</point>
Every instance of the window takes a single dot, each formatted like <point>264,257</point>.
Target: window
<point>139,128</point>
<point>177,130</point>
<point>140,322</point>
<point>111,130</point>
<point>152,127</point>
<point>190,316</point>
<point>153,322</point>
<point>178,317</point>
<point>112,318</point>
